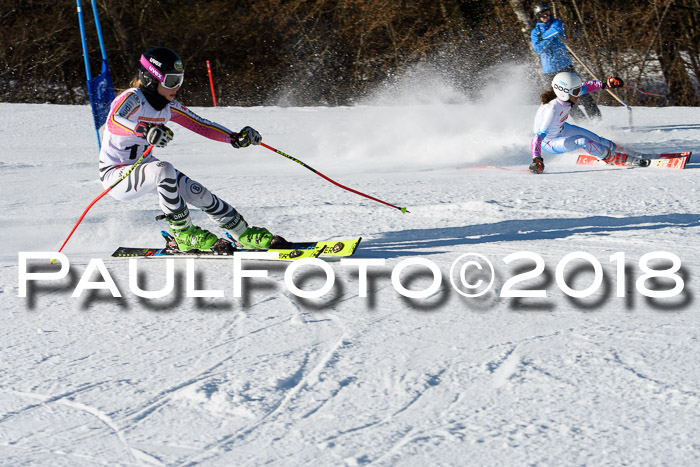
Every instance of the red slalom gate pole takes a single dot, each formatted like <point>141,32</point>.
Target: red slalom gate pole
<point>211,83</point>
<point>126,174</point>
<point>403,210</point>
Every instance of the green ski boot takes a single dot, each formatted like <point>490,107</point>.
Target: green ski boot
<point>253,238</point>
<point>187,235</point>
<point>256,238</point>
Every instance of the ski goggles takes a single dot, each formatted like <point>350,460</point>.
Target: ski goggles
<point>173,80</point>
<point>577,91</point>
<point>168,80</point>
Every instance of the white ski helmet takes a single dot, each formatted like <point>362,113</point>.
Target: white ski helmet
<point>566,84</point>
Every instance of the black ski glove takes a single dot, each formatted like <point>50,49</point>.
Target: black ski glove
<point>613,82</point>
<point>537,165</point>
<point>245,138</point>
<point>157,135</point>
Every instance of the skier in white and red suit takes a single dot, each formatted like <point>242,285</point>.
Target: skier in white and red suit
<point>137,119</point>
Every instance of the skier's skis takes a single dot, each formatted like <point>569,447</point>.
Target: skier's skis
<point>328,248</point>
<point>135,252</point>
<point>497,167</point>
<point>661,161</point>
<point>671,161</point>
<point>224,248</point>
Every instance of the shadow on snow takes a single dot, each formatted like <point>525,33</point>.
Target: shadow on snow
<point>441,240</point>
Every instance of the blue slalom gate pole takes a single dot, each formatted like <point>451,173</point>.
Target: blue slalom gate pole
<point>82,38</point>
<point>87,62</point>
<point>99,31</point>
<point>100,88</point>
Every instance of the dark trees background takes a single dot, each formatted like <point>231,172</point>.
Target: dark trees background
<point>335,52</point>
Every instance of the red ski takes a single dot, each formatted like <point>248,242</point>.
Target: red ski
<point>660,161</point>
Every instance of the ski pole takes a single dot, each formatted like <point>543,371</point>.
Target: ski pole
<point>211,83</point>
<point>594,77</point>
<point>644,92</point>
<point>403,210</point>
<point>126,174</point>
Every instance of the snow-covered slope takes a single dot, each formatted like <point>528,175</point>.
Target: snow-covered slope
<point>353,378</point>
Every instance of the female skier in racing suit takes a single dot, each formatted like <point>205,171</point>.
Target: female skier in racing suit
<point>555,136</point>
<point>136,119</point>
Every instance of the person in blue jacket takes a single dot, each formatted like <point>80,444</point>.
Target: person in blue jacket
<point>547,40</point>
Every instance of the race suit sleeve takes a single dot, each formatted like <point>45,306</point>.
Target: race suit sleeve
<point>190,120</point>
<point>123,109</point>
<point>536,145</point>
<point>544,122</point>
<point>591,86</point>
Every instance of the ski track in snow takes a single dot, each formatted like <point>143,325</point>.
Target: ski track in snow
<point>345,379</point>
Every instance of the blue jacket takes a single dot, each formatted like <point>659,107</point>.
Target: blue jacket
<point>546,39</point>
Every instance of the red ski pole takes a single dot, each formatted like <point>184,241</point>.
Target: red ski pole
<point>126,174</point>
<point>644,92</point>
<point>211,83</point>
<point>404,210</point>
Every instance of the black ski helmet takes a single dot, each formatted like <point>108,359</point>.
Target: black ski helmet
<point>540,7</point>
<point>158,62</point>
